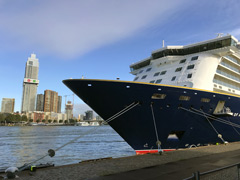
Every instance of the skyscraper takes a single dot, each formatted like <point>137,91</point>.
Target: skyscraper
<point>50,101</point>
<point>89,115</point>
<point>30,84</point>
<point>59,104</point>
<point>40,102</point>
<point>69,110</point>
<point>8,105</point>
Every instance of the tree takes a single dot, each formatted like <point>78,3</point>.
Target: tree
<point>49,121</point>
<point>38,120</point>
<point>18,117</point>
<point>43,120</point>
<point>55,121</point>
<point>24,118</point>
<point>10,118</point>
<point>2,118</point>
<point>31,120</point>
<point>71,120</point>
<point>60,121</point>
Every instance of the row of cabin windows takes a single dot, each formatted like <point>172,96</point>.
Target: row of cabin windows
<point>159,80</point>
<point>181,98</point>
<point>177,70</point>
<point>173,79</point>
<point>164,72</point>
<point>182,61</point>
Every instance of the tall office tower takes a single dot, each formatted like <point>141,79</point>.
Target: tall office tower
<point>40,102</point>
<point>50,101</point>
<point>59,104</point>
<point>69,110</point>
<point>8,105</point>
<point>30,84</point>
<point>89,115</point>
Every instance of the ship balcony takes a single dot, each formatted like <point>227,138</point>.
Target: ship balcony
<point>232,60</point>
<point>228,78</point>
<point>231,69</point>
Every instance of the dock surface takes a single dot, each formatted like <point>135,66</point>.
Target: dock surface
<point>177,164</point>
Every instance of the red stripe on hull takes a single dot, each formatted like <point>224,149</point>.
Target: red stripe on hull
<point>150,151</point>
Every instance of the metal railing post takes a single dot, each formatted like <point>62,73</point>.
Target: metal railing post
<point>196,175</point>
<point>238,167</point>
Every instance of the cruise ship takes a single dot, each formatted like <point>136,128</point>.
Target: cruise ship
<point>181,97</point>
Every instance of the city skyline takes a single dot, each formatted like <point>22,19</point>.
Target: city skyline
<point>99,40</point>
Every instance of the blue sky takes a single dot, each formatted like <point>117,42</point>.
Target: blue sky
<point>99,39</point>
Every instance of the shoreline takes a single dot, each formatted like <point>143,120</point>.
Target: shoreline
<point>115,166</point>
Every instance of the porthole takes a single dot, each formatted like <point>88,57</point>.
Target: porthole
<point>89,84</point>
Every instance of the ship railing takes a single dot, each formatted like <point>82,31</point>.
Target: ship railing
<point>226,172</point>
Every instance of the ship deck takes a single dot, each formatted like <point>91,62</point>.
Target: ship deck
<point>178,164</point>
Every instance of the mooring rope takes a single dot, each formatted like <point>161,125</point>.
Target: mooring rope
<point>234,127</point>
<point>126,109</point>
<point>51,152</point>
<point>158,143</point>
<point>211,117</point>
<point>219,135</point>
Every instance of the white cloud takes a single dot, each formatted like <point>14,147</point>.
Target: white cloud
<point>72,28</point>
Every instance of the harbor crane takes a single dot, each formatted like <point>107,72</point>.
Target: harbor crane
<point>67,96</point>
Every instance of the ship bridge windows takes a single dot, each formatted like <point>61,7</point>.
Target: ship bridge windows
<point>136,78</point>
<point>152,81</point>
<point>178,69</point>
<point>143,77</point>
<point>158,96</point>
<point>156,74</point>
<point>158,81</point>
<point>194,58</point>
<point>163,72</point>
<point>190,66</point>
<point>184,98</point>
<point>195,49</point>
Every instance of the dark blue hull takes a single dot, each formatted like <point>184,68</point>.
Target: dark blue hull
<point>184,118</point>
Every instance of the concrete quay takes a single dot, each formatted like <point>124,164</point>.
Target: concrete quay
<point>178,164</point>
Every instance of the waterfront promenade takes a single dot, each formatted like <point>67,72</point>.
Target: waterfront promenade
<point>178,164</point>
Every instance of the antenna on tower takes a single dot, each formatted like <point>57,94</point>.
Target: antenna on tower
<point>162,43</point>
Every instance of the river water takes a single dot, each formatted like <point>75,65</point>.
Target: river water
<point>20,145</point>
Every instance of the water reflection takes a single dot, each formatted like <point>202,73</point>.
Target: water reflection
<point>19,145</point>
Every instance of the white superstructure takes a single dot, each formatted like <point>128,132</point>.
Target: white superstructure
<point>211,65</point>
